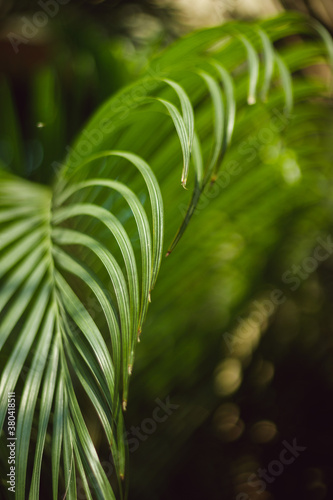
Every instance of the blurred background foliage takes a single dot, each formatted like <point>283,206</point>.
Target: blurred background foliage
<point>239,396</point>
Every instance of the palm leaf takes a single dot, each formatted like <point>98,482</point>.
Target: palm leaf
<point>93,236</point>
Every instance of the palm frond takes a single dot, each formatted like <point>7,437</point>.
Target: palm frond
<point>96,236</point>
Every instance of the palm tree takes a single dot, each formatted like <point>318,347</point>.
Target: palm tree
<point>81,255</point>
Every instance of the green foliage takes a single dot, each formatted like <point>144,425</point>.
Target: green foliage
<point>98,230</point>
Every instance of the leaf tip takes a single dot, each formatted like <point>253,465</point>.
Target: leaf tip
<point>251,100</point>
<point>124,405</point>
<point>213,180</point>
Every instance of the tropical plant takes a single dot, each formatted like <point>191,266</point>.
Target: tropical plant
<point>97,232</point>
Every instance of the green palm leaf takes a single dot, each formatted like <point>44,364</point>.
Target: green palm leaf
<point>96,236</point>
